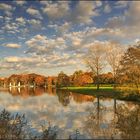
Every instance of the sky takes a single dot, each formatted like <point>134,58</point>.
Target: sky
<point>47,37</point>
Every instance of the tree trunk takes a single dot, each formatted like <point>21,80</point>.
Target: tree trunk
<point>115,105</point>
<point>114,85</point>
<point>98,112</point>
<point>137,86</point>
<point>98,86</point>
<point>114,78</point>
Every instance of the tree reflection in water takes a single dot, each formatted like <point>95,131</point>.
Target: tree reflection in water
<point>128,121</point>
<point>26,92</point>
<point>64,97</point>
<point>97,125</point>
<point>124,124</point>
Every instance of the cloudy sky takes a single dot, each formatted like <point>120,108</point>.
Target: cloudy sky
<point>49,37</point>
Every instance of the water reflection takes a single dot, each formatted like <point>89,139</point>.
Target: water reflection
<point>100,121</point>
<point>27,91</point>
<point>65,97</point>
<point>128,121</point>
<point>94,117</point>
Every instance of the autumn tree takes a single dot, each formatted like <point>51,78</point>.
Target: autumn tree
<point>51,81</point>
<point>130,65</point>
<point>80,78</point>
<point>32,79</point>
<point>105,78</point>
<point>14,79</point>
<point>24,79</point>
<point>40,80</point>
<point>95,60</point>
<point>62,80</point>
<point>1,82</point>
<point>86,78</point>
<point>76,78</point>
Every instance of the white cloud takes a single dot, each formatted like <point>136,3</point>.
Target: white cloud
<point>44,2</point>
<point>20,63</point>
<point>34,12</point>
<point>121,4</point>
<point>76,42</point>
<point>133,12</point>
<point>34,22</point>
<point>56,10</point>
<point>64,27</point>
<point>89,34</point>
<point>61,29</point>
<point>98,3</point>
<point>26,63</point>
<point>7,8</point>
<point>8,13</point>
<point>7,19</point>
<point>11,59</point>
<point>4,6</point>
<point>21,21</point>
<point>16,59</point>
<point>53,52</point>
<point>107,8</point>
<point>10,27</point>
<point>36,40</point>
<point>84,12</point>
<point>40,45</point>
<point>128,22</point>
<point>13,45</point>
<point>137,40</point>
<point>1,17</point>
<point>19,2</point>
<point>116,21</point>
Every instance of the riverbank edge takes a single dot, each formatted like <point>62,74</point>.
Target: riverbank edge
<point>106,92</point>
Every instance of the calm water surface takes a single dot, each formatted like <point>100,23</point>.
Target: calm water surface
<point>93,117</point>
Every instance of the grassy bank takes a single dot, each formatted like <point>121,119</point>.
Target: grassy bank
<point>103,91</point>
<point>106,91</point>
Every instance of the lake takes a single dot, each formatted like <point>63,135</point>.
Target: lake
<point>71,113</point>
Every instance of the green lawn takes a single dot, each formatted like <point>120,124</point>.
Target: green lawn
<point>104,91</point>
<point>74,88</point>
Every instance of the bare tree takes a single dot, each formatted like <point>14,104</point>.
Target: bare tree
<point>95,60</point>
<point>114,52</point>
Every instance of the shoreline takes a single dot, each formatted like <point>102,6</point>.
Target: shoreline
<point>107,92</point>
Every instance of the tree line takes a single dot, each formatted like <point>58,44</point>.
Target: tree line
<point>78,78</point>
